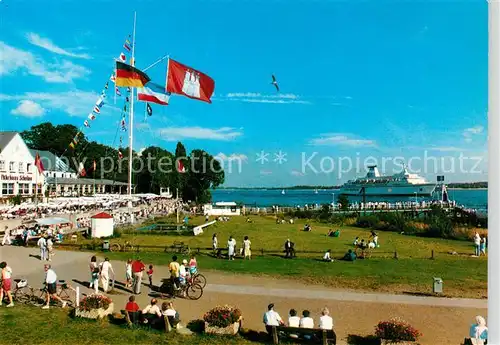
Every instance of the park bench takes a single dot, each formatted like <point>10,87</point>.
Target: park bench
<point>137,319</point>
<point>179,247</point>
<point>321,336</point>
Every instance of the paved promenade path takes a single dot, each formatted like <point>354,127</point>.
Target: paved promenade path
<point>442,320</point>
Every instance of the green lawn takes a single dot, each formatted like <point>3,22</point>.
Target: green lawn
<point>412,272</point>
<point>30,325</point>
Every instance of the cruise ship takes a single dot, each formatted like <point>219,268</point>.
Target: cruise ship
<point>402,184</point>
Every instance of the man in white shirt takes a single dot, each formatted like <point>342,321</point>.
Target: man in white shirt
<point>6,236</point>
<point>271,318</point>
<point>152,313</point>
<point>105,268</point>
<point>327,256</point>
<point>325,320</point>
<point>51,285</point>
<point>42,244</point>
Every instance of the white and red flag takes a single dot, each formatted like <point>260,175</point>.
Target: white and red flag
<point>153,93</point>
<point>184,80</point>
<point>180,167</point>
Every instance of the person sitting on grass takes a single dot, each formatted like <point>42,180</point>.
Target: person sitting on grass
<point>349,256</point>
<point>356,241</point>
<point>327,257</point>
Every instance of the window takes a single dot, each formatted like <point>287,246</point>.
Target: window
<point>12,166</point>
<point>28,168</point>
<point>24,188</point>
<point>39,189</point>
<point>21,167</point>
<point>7,188</point>
<point>2,165</point>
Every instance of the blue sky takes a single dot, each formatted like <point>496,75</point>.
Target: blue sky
<point>360,81</point>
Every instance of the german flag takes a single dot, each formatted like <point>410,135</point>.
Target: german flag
<point>127,75</point>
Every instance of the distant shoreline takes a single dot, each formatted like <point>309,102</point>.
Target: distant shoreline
<point>325,188</point>
<point>470,188</point>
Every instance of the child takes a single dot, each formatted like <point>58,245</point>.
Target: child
<point>128,273</point>
<point>193,265</point>
<point>150,275</point>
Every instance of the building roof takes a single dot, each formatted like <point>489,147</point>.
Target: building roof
<point>51,162</point>
<point>5,138</point>
<point>102,215</point>
<point>88,181</point>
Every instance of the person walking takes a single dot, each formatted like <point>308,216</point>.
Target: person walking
<point>51,285</point>
<point>42,244</point>
<point>94,274</point>
<point>50,249</point>
<point>477,244</point>
<point>6,237</point>
<point>105,268</point>
<point>128,273</point>
<point>231,247</point>
<point>247,253</point>
<point>214,242</point>
<point>6,283</point>
<point>483,245</point>
<point>137,269</point>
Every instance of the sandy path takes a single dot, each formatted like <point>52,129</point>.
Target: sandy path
<point>442,320</point>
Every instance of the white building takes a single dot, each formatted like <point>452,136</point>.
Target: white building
<point>222,208</point>
<point>18,173</point>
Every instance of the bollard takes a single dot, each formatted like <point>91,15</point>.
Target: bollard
<point>395,254</point>
<point>432,254</point>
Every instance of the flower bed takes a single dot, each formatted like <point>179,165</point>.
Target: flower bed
<point>94,306</point>
<point>396,331</point>
<point>222,320</point>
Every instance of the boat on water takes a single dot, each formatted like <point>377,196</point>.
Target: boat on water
<point>315,191</point>
<point>283,192</point>
<point>401,184</point>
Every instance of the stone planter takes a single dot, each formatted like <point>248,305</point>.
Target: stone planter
<point>94,313</point>
<point>229,330</point>
<point>390,342</point>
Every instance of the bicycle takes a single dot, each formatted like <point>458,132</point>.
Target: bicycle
<point>198,278</point>
<point>22,293</point>
<point>191,290</point>
<point>63,291</point>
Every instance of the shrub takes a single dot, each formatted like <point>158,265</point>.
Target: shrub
<point>396,330</point>
<point>367,221</point>
<point>95,302</point>
<point>222,316</point>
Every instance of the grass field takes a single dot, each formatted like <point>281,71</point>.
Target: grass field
<point>463,276</point>
<point>56,327</point>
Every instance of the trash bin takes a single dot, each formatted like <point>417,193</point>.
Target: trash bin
<point>438,285</point>
<point>105,245</point>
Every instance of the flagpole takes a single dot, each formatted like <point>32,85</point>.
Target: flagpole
<point>131,126</point>
<point>177,205</point>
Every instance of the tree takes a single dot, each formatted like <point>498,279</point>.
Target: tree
<point>204,172</point>
<point>343,200</point>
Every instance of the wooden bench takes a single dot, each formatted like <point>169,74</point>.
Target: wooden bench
<point>317,335</point>
<point>168,326</point>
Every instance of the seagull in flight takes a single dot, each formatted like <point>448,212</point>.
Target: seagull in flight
<point>275,83</point>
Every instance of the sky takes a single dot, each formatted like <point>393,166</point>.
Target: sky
<point>361,82</point>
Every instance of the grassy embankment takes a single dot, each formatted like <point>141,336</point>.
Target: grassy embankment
<point>30,325</point>
<point>413,271</point>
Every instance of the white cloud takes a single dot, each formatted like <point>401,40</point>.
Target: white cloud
<point>13,60</point>
<point>251,97</point>
<point>470,132</point>
<point>47,44</point>
<point>333,139</point>
<point>232,157</point>
<point>179,133</point>
<point>74,103</point>
<point>447,149</point>
<point>296,173</point>
<point>28,108</point>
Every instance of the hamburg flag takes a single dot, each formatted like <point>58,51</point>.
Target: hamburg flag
<point>180,167</point>
<point>127,75</point>
<point>184,80</point>
<point>38,163</point>
<point>153,93</point>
